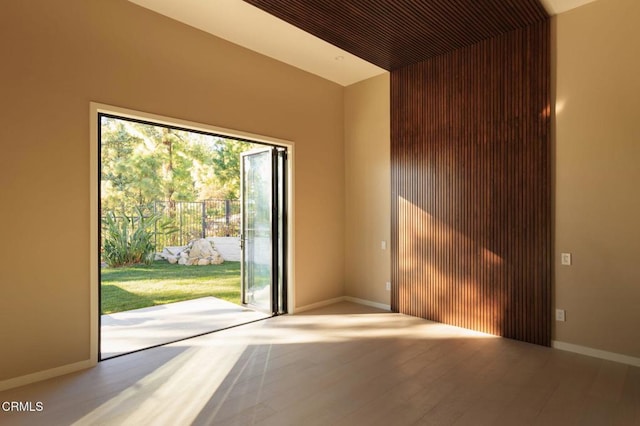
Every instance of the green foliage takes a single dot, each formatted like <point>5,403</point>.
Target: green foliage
<point>226,162</point>
<point>142,163</point>
<point>129,239</point>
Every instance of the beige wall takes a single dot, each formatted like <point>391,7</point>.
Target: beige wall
<point>59,56</point>
<point>368,196</point>
<point>598,174</point>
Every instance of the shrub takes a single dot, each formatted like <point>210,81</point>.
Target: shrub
<point>129,240</point>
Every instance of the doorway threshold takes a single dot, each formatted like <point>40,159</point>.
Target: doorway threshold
<point>131,331</point>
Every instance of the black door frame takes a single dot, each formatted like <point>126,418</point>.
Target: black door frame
<point>279,273</point>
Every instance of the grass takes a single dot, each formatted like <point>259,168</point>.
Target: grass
<point>140,286</point>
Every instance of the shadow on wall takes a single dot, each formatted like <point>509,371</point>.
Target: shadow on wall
<point>448,262</point>
<point>470,161</point>
<point>473,246</point>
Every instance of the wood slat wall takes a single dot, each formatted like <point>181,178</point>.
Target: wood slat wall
<point>471,206</point>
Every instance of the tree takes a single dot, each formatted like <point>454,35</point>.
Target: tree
<point>224,180</point>
<point>143,163</point>
<point>119,174</point>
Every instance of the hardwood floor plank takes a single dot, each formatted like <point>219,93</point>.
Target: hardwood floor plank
<point>343,364</point>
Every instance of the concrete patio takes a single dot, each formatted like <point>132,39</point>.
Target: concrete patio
<point>137,329</point>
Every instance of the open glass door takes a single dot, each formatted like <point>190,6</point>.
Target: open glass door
<point>263,229</point>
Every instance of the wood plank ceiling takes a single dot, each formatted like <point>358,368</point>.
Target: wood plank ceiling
<point>396,33</point>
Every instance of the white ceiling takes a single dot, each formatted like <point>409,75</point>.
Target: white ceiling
<point>555,7</point>
<point>250,27</point>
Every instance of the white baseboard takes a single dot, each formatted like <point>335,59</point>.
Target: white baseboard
<point>327,302</point>
<point>342,299</point>
<point>596,353</point>
<point>44,375</point>
<point>368,303</point>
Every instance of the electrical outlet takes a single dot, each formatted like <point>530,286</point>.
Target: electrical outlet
<point>565,259</point>
<point>560,315</point>
<point>383,245</point>
<point>388,286</point>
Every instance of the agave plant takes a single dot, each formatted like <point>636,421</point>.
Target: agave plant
<point>129,239</point>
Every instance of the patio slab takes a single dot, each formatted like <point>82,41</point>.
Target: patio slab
<point>137,329</point>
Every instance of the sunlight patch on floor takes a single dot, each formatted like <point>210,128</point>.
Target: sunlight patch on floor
<point>174,393</point>
<point>296,329</point>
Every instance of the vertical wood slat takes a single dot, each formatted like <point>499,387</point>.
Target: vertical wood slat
<point>471,209</point>
<point>393,34</point>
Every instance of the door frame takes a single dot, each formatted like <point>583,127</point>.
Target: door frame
<point>95,109</point>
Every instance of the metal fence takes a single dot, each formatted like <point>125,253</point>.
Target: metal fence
<point>197,219</point>
<point>190,220</point>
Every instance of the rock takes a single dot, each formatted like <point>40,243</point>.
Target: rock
<point>173,250</point>
<point>201,249</point>
<point>170,252</point>
<point>198,252</point>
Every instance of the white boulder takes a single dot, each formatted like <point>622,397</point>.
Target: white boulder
<point>197,252</point>
<point>200,249</point>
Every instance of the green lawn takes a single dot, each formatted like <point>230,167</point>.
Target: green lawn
<point>140,286</point>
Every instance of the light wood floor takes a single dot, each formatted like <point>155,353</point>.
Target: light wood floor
<point>341,365</point>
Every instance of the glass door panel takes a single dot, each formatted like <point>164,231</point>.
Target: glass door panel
<point>257,228</point>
